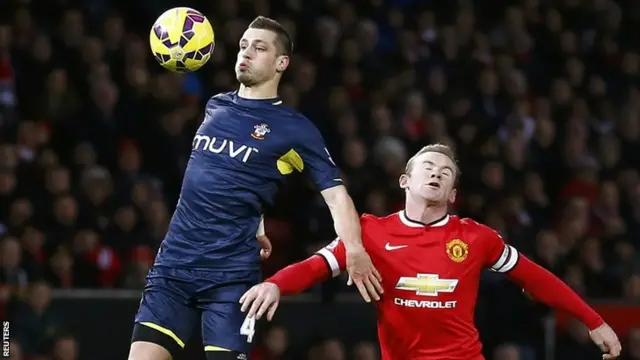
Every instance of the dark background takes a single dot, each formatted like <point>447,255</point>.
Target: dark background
<point>539,98</point>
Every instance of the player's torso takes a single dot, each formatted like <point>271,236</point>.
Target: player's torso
<point>431,276</point>
<point>234,169</point>
<point>239,141</point>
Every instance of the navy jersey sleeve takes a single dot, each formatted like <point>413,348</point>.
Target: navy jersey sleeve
<point>317,160</point>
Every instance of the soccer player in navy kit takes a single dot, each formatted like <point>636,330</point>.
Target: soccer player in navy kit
<point>246,144</point>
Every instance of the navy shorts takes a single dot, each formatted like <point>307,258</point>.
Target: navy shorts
<point>175,301</point>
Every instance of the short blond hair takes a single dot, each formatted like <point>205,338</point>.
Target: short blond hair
<point>443,149</point>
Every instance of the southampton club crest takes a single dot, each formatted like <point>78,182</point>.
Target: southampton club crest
<point>259,131</point>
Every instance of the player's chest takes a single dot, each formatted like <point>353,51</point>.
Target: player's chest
<point>429,265</point>
<point>242,135</point>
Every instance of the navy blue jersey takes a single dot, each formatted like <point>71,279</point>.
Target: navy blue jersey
<point>240,153</point>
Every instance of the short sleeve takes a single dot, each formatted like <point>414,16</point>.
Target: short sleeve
<point>501,257</point>
<point>318,162</point>
<point>335,256</point>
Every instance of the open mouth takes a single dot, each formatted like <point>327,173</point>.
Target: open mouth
<point>434,185</point>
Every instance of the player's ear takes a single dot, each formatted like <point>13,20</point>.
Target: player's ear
<point>404,181</point>
<point>282,63</point>
<point>452,196</point>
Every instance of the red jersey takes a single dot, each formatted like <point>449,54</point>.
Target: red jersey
<point>431,274</point>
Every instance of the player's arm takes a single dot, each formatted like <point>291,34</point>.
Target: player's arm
<point>328,262</point>
<point>326,175</point>
<point>265,298</point>
<point>537,281</point>
<point>548,289</point>
<point>362,273</point>
<point>345,217</point>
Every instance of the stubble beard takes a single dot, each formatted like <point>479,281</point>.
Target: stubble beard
<point>246,79</point>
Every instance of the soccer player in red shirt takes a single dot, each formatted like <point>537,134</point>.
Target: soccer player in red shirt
<point>430,264</point>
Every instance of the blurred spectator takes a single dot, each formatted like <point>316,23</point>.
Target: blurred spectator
<point>13,278</point>
<point>275,345</point>
<point>507,352</point>
<point>141,261</point>
<point>34,323</point>
<point>16,351</point>
<point>65,347</point>
<point>365,351</point>
<point>576,343</point>
<point>333,349</point>
<point>632,345</point>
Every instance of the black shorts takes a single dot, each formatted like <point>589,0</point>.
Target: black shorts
<point>174,301</point>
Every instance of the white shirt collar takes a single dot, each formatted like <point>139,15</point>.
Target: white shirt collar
<point>417,224</point>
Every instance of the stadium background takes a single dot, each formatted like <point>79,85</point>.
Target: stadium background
<point>540,98</point>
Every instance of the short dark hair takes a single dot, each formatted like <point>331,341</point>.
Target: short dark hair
<point>443,149</point>
<point>283,39</point>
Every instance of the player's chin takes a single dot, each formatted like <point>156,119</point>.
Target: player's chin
<point>244,77</point>
<point>432,196</point>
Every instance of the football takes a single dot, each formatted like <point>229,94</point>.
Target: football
<point>182,39</point>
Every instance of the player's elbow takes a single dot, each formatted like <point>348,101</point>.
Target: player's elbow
<point>337,197</point>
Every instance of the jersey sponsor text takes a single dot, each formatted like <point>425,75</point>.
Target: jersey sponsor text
<point>425,304</point>
<point>219,146</point>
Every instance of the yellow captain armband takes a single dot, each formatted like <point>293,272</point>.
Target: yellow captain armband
<point>289,162</point>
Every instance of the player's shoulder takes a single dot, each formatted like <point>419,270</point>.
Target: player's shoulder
<point>371,219</point>
<point>297,118</point>
<point>474,228</point>
<point>381,226</point>
<point>469,223</point>
<point>220,99</point>
<point>224,96</point>
<point>375,229</point>
<point>299,127</point>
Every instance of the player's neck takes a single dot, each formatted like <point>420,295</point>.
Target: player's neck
<point>424,212</point>
<point>263,91</point>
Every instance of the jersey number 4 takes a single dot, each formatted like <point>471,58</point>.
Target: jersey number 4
<point>248,328</point>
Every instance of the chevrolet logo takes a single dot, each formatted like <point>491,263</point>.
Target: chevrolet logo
<point>427,284</point>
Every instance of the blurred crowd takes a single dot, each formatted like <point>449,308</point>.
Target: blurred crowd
<point>540,98</point>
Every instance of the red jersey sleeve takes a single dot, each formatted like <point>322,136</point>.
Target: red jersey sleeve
<point>326,262</point>
<point>501,257</point>
<point>335,256</point>
<point>534,279</point>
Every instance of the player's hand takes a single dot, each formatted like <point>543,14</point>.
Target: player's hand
<point>260,299</point>
<point>363,274</point>
<point>607,341</point>
<point>265,244</point>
